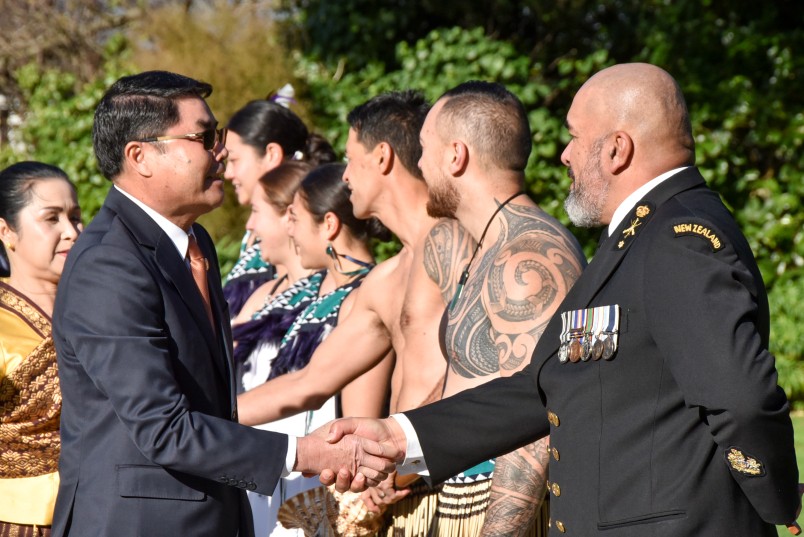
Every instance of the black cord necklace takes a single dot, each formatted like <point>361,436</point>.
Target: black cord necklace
<point>465,273</point>
<point>364,266</point>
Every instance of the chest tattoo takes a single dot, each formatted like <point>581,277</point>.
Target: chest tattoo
<point>511,293</point>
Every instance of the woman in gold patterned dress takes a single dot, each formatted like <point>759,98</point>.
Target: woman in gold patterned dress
<point>39,222</point>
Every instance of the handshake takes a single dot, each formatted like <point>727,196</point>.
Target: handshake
<point>352,453</point>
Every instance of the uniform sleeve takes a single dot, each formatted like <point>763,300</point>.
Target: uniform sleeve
<point>114,328</point>
<point>706,311</point>
<point>478,424</point>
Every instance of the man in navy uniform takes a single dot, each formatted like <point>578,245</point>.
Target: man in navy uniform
<point>654,381</point>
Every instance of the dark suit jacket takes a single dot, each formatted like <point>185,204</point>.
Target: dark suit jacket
<point>642,442</point>
<point>150,443</point>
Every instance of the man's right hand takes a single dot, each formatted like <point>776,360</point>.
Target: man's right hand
<point>360,461</point>
<point>387,433</point>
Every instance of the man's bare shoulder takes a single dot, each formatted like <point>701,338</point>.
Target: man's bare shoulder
<point>533,219</point>
<point>534,239</point>
<point>378,292</point>
<point>384,272</point>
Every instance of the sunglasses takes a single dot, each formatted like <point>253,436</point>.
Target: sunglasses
<point>209,137</point>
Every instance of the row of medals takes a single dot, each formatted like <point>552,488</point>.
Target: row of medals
<point>586,346</point>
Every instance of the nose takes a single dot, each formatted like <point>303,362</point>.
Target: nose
<point>250,223</point>
<point>565,155</point>
<point>345,176</point>
<point>222,153</point>
<point>71,230</point>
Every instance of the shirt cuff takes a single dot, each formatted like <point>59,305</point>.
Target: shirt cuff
<point>414,462</point>
<point>290,458</point>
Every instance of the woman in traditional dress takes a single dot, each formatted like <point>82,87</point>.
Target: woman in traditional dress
<point>267,314</point>
<point>262,135</point>
<point>326,234</point>
<point>39,223</point>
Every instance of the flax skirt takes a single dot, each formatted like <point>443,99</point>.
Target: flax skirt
<point>450,510</point>
<point>461,511</point>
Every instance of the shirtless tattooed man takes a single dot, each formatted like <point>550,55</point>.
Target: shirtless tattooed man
<point>476,142</point>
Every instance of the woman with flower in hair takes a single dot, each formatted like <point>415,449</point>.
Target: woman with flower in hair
<point>262,135</point>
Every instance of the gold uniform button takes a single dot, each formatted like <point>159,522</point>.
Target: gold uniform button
<point>556,489</point>
<point>552,417</point>
<point>554,453</point>
<point>560,526</point>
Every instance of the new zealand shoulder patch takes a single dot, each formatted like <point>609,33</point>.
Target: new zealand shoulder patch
<point>699,229</point>
<point>743,463</point>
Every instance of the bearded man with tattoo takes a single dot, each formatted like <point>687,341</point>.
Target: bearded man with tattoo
<point>475,145</point>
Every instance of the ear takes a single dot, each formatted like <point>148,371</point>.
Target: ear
<point>274,155</point>
<point>385,157</point>
<point>458,154</point>
<point>7,235</point>
<point>135,158</point>
<point>331,226</point>
<point>619,152</point>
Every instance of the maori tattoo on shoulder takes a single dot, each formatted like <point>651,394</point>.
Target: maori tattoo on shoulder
<point>446,252</point>
<point>512,292</point>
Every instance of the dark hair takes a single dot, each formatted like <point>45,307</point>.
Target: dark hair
<point>492,119</point>
<point>16,184</point>
<point>137,107</point>
<point>324,191</point>
<point>395,118</point>
<point>281,183</point>
<point>260,123</point>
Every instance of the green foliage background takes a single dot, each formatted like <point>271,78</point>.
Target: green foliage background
<point>735,60</point>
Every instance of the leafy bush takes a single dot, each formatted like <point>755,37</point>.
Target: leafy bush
<point>57,126</point>
<point>785,300</point>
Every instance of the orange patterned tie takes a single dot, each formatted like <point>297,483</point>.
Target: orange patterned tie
<point>199,266</point>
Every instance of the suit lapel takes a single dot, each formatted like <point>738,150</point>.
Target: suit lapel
<point>176,272</point>
<point>152,238</point>
<point>609,255</point>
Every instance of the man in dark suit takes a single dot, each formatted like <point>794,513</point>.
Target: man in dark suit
<point>150,440</point>
<point>654,380</point>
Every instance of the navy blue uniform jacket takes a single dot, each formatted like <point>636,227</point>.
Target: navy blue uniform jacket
<point>684,432</point>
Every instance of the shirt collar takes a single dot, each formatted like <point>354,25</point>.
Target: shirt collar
<point>629,202</point>
<point>176,234</point>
